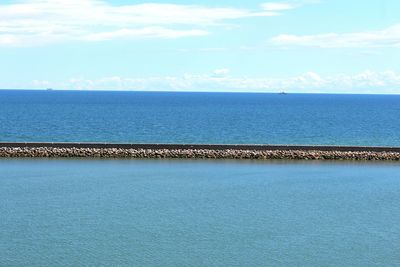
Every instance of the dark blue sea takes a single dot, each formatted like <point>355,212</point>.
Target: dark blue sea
<point>154,117</point>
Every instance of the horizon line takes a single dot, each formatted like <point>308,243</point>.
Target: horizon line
<point>194,91</point>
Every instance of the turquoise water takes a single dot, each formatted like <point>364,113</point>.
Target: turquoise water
<point>138,117</point>
<point>198,213</point>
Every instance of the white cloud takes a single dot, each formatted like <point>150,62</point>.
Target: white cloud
<point>277,6</point>
<point>311,82</point>
<point>221,72</point>
<point>41,83</point>
<point>149,32</point>
<point>389,37</point>
<point>32,22</point>
<point>286,5</point>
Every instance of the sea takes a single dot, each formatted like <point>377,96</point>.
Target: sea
<point>201,118</point>
<point>198,213</point>
<point>90,212</point>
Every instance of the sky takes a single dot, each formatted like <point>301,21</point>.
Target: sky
<point>297,46</point>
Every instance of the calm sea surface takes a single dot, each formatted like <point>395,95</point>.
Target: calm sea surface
<point>198,213</point>
<point>199,118</point>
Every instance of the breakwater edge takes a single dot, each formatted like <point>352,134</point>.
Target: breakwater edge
<point>176,151</point>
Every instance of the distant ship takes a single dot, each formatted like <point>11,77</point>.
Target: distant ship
<point>49,89</point>
<point>282,93</point>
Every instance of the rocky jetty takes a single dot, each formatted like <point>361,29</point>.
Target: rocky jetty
<point>79,152</point>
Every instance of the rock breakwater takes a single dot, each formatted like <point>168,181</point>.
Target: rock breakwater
<point>79,152</point>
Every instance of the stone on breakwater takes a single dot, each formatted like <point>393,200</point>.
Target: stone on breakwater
<point>58,152</point>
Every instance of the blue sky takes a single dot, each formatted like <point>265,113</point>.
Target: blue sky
<point>328,46</point>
